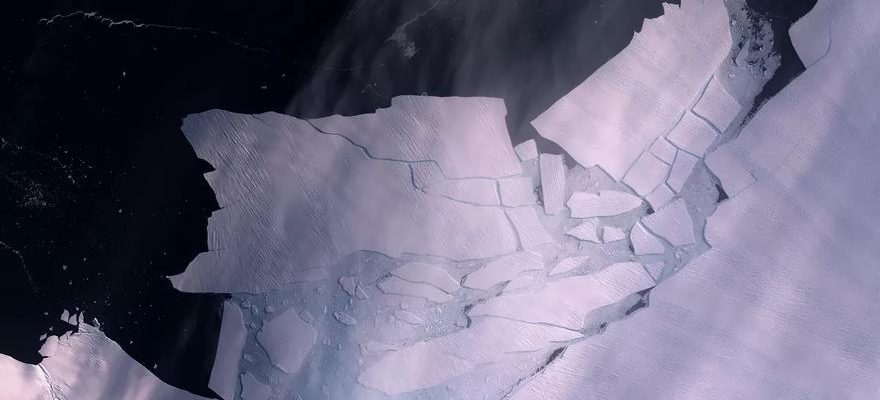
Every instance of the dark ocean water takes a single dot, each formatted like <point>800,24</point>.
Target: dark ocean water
<point>101,197</point>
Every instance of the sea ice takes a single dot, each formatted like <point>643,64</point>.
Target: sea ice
<point>225,373</point>
<point>288,340</point>
<point>527,150</point>
<point>552,182</point>
<point>433,275</point>
<point>400,287</point>
<point>644,242</point>
<point>717,105</point>
<point>588,230</point>
<point>475,191</point>
<point>612,234</point>
<point>692,134</point>
<point>569,264</point>
<point>673,223</point>
<point>503,269</point>
<point>606,203</point>
<point>663,150</point>
<point>681,170</point>
<point>528,228</point>
<point>660,196</point>
<point>252,389</point>
<point>811,35</point>
<point>646,174</point>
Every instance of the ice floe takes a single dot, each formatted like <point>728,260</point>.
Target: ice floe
<point>503,269</point>
<point>603,204</point>
<point>673,223</point>
<point>288,340</point>
<point>225,372</point>
<point>552,182</point>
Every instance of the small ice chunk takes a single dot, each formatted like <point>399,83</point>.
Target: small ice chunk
<point>733,176</point>
<point>552,182</point>
<point>224,373</point>
<point>663,150</point>
<point>811,35</point>
<point>527,150</point>
<point>344,318</point>
<point>474,191</point>
<point>612,234</point>
<point>400,287</point>
<point>692,134</point>
<point>646,174</point>
<point>49,347</point>
<point>588,230</point>
<point>252,389</point>
<point>288,340</point>
<point>673,223</point>
<point>681,170</point>
<point>65,316</point>
<point>655,269</point>
<point>569,264</point>
<point>408,317</point>
<point>717,105</point>
<point>660,196</point>
<point>348,284</point>
<point>606,203</point>
<point>517,191</point>
<point>504,269</point>
<point>529,229</point>
<point>433,275</point>
<point>643,242</point>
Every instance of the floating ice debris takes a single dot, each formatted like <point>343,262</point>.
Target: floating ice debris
<point>603,204</point>
<point>395,285</point>
<point>646,174</point>
<point>552,182</point>
<point>663,150</point>
<point>528,228</point>
<point>288,340</point>
<point>252,389</point>
<point>344,318</point>
<point>660,196</point>
<point>503,269</point>
<point>431,274</point>
<point>527,150</point>
<point>727,167</point>
<point>672,223</point>
<point>408,317</point>
<point>569,264</point>
<point>230,343</point>
<point>588,230</point>
<point>692,134</point>
<point>644,242</point>
<point>612,234</point>
<point>348,284</point>
<point>717,105</point>
<point>475,191</point>
<point>681,170</point>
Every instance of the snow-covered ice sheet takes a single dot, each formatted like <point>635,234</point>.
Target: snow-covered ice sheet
<point>783,305</point>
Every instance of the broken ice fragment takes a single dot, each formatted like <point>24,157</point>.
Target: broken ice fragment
<point>408,317</point>
<point>606,203</point>
<point>348,284</point>
<point>717,105</point>
<point>643,242</point>
<point>527,150</point>
<point>528,228</point>
<point>400,287</point>
<point>466,136</point>
<point>660,196</point>
<point>474,191</point>
<point>517,191</point>
<point>503,269</point>
<point>569,264</point>
<point>655,269</point>
<point>612,234</point>
<point>288,340</point>
<point>692,134</point>
<point>647,172</point>
<point>664,150</point>
<point>673,223</point>
<point>434,275</point>
<point>425,174</point>
<point>344,318</point>
<point>552,182</point>
<point>224,374</point>
<point>681,170</point>
<point>519,283</point>
<point>252,389</point>
<point>588,230</point>
<point>566,302</point>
